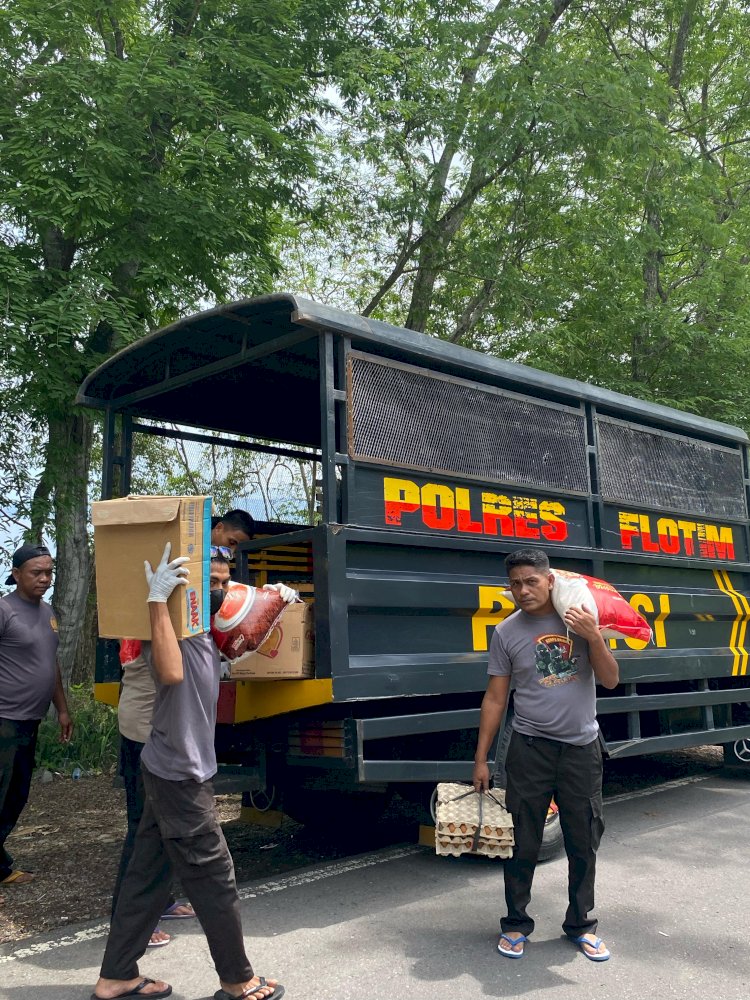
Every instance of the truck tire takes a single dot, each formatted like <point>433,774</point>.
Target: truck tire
<point>737,755</point>
<point>552,839</point>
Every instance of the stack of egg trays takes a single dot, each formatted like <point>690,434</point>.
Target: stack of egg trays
<point>468,822</point>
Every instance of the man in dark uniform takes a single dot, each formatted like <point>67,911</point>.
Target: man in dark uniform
<point>29,680</point>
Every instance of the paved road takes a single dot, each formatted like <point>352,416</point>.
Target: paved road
<point>403,923</point>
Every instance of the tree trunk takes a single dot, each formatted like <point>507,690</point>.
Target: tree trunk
<point>68,459</point>
<point>654,294</point>
<point>85,654</point>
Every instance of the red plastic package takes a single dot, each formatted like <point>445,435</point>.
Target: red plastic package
<point>615,617</point>
<point>130,649</point>
<point>245,620</point>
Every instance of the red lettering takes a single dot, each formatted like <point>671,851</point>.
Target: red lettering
<point>438,507</point>
<point>649,545</point>
<point>669,536</point>
<point>628,528</point>
<point>463,513</point>
<point>496,510</point>
<point>555,529</point>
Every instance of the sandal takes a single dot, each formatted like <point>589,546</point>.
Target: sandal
<point>278,991</point>
<point>158,944</point>
<point>18,878</point>
<point>137,991</point>
<point>592,956</point>
<point>508,952</point>
<point>171,912</point>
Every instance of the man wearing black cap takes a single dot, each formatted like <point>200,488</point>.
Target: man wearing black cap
<point>29,680</point>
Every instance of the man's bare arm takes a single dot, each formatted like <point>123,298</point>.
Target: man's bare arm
<point>494,704</point>
<point>605,667</point>
<point>165,649</point>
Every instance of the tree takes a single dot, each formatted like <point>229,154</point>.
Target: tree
<point>147,150</point>
<point>271,487</point>
<point>559,184</point>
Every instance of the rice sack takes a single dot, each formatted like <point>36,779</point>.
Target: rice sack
<point>614,616</point>
<point>246,619</point>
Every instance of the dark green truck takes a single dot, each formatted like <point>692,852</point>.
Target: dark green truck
<point>435,461</point>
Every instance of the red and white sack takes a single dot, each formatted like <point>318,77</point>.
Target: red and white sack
<point>245,620</point>
<point>614,616</point>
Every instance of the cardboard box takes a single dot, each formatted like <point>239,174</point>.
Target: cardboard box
<point>288,652</point>
<point>130,530</point>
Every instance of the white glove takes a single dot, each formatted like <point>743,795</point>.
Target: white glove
<point>167,575</point>
<point>285,593</point>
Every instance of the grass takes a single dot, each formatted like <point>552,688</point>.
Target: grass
<point>94,746</point>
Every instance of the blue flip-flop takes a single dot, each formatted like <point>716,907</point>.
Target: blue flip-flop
<point>601,956</point>
<point>522,939</point>
<point>169,913</point>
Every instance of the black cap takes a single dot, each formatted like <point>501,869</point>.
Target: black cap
<point>22,555</point>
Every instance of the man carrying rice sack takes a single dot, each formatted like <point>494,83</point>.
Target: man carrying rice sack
<point>554,664</point>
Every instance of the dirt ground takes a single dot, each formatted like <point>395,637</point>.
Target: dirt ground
<point>70,835</point>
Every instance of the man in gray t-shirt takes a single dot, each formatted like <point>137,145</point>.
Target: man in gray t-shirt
<point>179,829</point>
<point>553,666</point>
<point>29,681</point>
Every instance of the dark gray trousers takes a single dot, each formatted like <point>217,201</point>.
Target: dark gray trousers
<point>179,832</point>
<point>538,769</point>
<point>135,801</point>
<point>17,751</point>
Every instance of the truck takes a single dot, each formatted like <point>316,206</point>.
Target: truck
<point>434,462</point>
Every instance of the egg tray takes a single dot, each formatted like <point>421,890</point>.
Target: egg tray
<point>467,822</point>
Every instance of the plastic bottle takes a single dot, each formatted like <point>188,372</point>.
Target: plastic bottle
<point>76,775</point>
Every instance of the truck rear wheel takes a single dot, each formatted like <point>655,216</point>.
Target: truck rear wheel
<point>552,839</point>
<point>737,755</point>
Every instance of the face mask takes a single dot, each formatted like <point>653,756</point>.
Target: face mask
<point>217,599</point>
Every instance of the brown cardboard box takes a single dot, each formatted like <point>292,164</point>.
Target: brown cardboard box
<point>288,652</point>
<point>133,529</point>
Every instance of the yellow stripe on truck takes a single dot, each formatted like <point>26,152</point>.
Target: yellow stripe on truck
<point>107,693</point>
<point>742,630</point>
<point>254,699</point>
<point>739,625</point>
<point>263,699</point>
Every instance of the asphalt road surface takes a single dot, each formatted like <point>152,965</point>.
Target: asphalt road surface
<point>401,922</point>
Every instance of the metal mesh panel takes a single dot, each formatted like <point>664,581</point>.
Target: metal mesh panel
<point>408,417</point>
<point>653,468</point>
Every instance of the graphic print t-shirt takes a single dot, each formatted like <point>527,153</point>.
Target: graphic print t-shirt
<point>555,689</point>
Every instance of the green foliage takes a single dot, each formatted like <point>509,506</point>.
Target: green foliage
<point>147,148</point>
<point>562,185</point>
<point>95,742</point>
<point>149,151</point>
<point>273,488</point>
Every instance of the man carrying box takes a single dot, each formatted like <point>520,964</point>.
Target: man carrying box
<point>179,830</point>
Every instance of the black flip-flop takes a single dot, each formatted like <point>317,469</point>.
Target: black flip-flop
<point>136,992</point>
<point>278,991</point>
